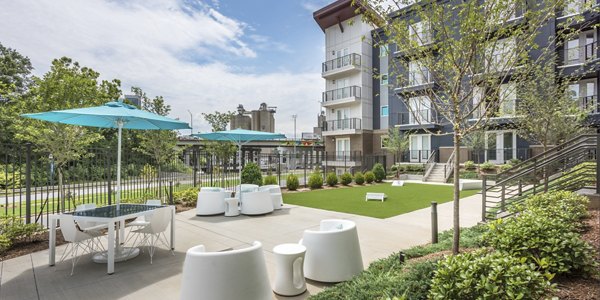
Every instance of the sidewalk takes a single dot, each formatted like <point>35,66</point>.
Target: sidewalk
<point>30,277</point>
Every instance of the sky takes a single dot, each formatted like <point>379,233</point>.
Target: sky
<point>202,56</point>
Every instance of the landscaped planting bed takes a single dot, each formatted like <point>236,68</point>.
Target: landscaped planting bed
<point>551,249</point>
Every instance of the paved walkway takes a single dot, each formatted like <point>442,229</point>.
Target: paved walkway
<point>30,277</point>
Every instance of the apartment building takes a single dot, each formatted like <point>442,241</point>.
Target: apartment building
<point>389,102</point>
<point>347,99</point>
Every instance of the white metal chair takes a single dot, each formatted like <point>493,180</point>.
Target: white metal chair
<point>256,203</point>
<point>210,203</point>
<point>141,220</point>
<point>235,274</point>
<point>154,232</point>
<point>78,240</point>
<point>275,192</point>
<point>332,252</point>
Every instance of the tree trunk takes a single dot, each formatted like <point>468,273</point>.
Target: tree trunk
<point>456,237</point>
<point>61,190</point>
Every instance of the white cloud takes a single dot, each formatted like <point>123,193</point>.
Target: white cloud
<point>149,44</point>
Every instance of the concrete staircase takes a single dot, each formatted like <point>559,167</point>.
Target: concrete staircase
<point>436,174</point>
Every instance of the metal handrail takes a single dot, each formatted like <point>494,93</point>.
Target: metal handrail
<point>429,164</point>
<point>449,167</point>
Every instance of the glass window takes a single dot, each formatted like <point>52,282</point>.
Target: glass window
<point>420,33</point>
<point>383,50</point>
<point>572,51</point>
<point>384,79</point>
<point>501,55</point>
<point>385,111</point>
<point>417,73</point>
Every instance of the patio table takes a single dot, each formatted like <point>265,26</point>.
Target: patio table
<point>114,218</point>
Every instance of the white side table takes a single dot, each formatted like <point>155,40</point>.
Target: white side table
<point>289,272</point>
<point>232,207</point>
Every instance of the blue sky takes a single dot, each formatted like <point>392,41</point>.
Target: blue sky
<point>200,55</point>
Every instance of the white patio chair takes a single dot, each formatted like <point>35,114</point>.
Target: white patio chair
<point>235,274</point>
<point>87,225</point>
<point>256,203</point>
<point>275,192</point>
<point>78,240</point>
<point>332,252</point>
<point>154,233</point>
<point>210,203</point>
<point>141,220</point>
<point>211,189</point>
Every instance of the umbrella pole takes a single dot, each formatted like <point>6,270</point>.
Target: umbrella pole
<point>240,167</point>
<point>120,126</point>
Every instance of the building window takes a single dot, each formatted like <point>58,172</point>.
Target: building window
<point>385,111</point>
<point>417,73</point>
<point>384,79</point>
<point>419,110</point>
<point>500,55</point>
<point>383,50</point>
<point>384,141</point>
<point>573,7</point>
<point>420,33</point>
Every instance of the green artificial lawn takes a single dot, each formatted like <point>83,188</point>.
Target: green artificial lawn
<point>400,200</point>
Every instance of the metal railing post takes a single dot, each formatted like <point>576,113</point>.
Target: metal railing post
<point>28,184</point>
<point>171,192</point>
<point>502,198</point>
<point>483,197</point>
<point>305,181</point>
<point>434,223</point>
<point>279,168</point>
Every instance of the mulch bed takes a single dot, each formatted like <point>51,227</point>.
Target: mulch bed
<point>37,243</point>
<point>578,288</point>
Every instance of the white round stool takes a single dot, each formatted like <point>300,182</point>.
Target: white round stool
<point>232,207</point>
<point>289,272</point>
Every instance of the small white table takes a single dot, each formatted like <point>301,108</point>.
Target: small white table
<point>289,269</point>
<point>232,207</point>
<point>114,218</point>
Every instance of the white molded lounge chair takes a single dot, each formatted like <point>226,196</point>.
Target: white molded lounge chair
<point>235,274</point>
<point>256,203</point>
<point>333,252</point>
<point>210,203</point>
<point>275,192</point>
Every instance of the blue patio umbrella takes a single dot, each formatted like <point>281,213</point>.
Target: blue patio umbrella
<point>111,115</point>
<point>240,137</point>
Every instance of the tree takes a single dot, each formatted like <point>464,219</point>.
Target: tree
<point>457,55</point>
<point>396,142</point>
<point>66,85</point>
<point>159,145</point>
<point>15,80</point>
<point>549,124</point>
<point>222,151</point>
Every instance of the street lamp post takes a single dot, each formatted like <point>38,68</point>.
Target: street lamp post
<point>294,117</point>
<point>191,123</point>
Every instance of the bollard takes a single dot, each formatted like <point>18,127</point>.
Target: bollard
<point>434,223</point>
<point>401,257</point>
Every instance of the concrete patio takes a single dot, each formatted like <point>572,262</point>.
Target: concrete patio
<point>30,277</point>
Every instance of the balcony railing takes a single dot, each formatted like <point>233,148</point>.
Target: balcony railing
<point>589,104</point>
<point>341,93</point>
<point>499,155</point>
<point>425,116</point>
<point>352,59</point>
<point>579,6</point>
<point>343,124</point>
<point>580,54</point>
<point>343,156</point>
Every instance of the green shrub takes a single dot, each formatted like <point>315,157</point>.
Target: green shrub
<point>468,175</point>
<point>292,183</point>
<point>251,174</point>
<point>379,172</point>
<point>487,166</point>
<point>10,177</point>
<point>542,240</point>
<point>394,167</point>
<point>469,238</point>
<point>315,180</point>
<point>481,275</point>
<point>369,177</point>
<point>565,206</point>
<point>514,161</point>
<point>187,197</point>
<point>359,178</point>
<point>269,180</point>
<point>13,231</point>
<point>469,165</point>
<point>331,179</point>
<point>505,167</point>
<point>414,169</point>
<point>346,178</point>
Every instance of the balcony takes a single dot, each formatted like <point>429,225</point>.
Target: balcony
<point>422,119</point>
<point>578,7</point>
<point>345,95</point>
<point>342,159</point>
<point>341,66</point>
<point>578,55</point>
<point>342,126</point>
<point>589,104</point>
<point>416,82</point>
